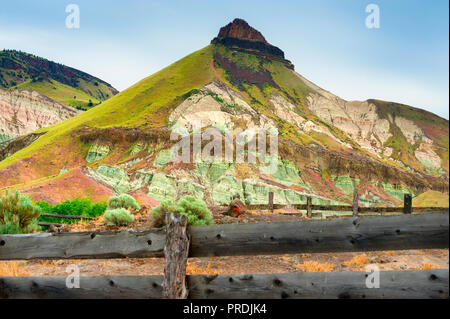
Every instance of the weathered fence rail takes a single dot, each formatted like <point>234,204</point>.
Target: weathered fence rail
<point>62,216</point>
<point>354,208</point>
<point>348,208</point>
<point>312,236</point>
<point>335,235</point>
<point>393,284</point>
<point>67,216</point>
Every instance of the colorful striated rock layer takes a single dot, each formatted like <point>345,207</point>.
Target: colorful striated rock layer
<point>327,145</point>
<point>24,111</point>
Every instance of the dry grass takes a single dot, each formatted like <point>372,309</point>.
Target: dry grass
<point>427,266</point>
<point>286,259</point>
<point>389,253</point>
<point>357,261</point>
<point>12,269</point>
<point>314,266</point>
<point>193,269</point>
<point>246,170</point>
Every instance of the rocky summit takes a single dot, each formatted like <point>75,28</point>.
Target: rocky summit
<point>239,35</point>
<point>327,146</point>
<point>242,30</point>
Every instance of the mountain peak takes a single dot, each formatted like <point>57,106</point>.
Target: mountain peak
<point>242,30</point>
<point>239,35</point>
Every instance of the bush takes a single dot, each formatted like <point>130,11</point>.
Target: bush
<point>76,207</point>
<point>18,214</point>
<point>194,209</point>
<point>117,213</point>
<point>118,217</point>
<point>122,201</point>
<point>158,213</point>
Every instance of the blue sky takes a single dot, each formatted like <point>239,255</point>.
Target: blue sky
<point>406,60</point>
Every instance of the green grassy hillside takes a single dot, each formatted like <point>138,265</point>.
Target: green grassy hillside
<point>67,85</point>
<point>145,104</point>
<point>60,92</point>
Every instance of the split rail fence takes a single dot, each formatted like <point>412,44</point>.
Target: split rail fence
<point>309,208</point>
<point>178,241</point>
<point>355,209</point>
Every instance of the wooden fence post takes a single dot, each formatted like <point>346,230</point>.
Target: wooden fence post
<point>176,252</point>
<point>308,207</point>
<point>407,204</point>
<point>271,201</point>
<point>355,201</point>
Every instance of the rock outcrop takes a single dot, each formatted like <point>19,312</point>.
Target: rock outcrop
<point>242,30</point>
<point>239,35</point>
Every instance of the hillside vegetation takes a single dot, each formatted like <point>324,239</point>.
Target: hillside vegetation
<point>64,84</point>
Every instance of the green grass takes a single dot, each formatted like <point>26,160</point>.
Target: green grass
<point>431,199</point>
<point>19,68</point>
<point>242,59</point>
<point>422,118</point>
<point>291,85</point>
<point>60,92</point>
<point>76,207</point>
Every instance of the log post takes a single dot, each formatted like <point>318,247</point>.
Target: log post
<point>355,201</point>
<point>308,207</point>
<point>176,252</point>
<point>271,201</point>
<point>407,204</point>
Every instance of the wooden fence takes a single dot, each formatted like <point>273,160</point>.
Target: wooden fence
<point>309,208</point>
<point>356,210</point>
<point>62,216</point>
<point>178,242</point>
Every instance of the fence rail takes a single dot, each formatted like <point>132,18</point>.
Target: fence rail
<point>363,233</point>
<point>312,236</point>
<point>393,284</point>
<point>67,216</point>
<point>354,208</point>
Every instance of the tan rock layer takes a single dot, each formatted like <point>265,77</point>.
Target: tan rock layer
<point>24,111</point>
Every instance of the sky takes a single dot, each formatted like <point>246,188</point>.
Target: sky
<point>405,60</point>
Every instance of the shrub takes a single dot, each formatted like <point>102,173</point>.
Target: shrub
<point>76,207</point>
<point>158,213</point>
<point>194,209</point>
<point>122,201</point>
<point>118,217</point>
<point>18,214</point>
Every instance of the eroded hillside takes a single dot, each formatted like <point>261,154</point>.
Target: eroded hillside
<point>24,111</point>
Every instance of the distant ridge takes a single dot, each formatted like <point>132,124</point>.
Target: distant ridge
<point>62,83</point>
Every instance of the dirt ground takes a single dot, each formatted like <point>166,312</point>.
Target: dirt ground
<point>385,260</point>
